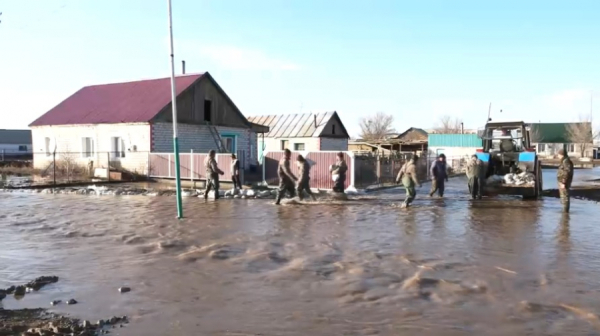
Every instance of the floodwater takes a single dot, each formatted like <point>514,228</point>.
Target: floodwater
<point>499,266</point>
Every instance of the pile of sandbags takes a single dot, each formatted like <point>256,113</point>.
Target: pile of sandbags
<point>523,179</point>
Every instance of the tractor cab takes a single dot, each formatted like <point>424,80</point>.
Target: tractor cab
<point>508,158</point>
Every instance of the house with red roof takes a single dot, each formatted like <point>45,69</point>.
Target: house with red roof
<point>120,124</point>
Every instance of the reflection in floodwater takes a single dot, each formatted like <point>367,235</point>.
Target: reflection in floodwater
<point>446,266</point>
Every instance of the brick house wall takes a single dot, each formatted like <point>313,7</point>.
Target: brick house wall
<point>199,139</point>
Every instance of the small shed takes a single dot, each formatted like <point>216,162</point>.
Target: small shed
<point>302,132</point>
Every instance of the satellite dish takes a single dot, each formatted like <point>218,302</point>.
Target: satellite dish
<point>126,142</point>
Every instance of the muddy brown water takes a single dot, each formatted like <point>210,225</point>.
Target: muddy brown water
<point>500,266</point>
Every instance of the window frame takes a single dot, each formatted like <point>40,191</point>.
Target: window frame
<point>234,141</point>
<point>119,152</point>
<point>283,144</point>
<point>84,152</point>
<point>296,149</point>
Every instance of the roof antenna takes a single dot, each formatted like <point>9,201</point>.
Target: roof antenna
<point>183,67</point>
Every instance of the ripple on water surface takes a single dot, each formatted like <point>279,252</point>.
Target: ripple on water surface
<point>360,267</point>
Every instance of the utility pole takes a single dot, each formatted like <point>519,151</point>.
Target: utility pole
<point>174,105</point>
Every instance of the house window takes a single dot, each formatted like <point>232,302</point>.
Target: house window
<point>117,147</point>
<point>284,144</point>
<point>87,147</point>
<point>571,148</point>
<point>541,148</point>
<point>22,148</point>
<point>333,129</point>
<point>47,146</point>
<point>229,143</point>
<point>298,146</point>
<point>207,110</point>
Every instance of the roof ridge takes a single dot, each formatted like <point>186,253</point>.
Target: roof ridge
<point>200,74</point>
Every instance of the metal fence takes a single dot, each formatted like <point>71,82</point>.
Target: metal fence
<point>364,171</point>
<point>191,165</point>
<point>58,168</point>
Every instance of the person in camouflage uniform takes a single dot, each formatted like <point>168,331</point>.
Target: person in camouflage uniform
<point>212,174</point>
<point>408,177</point>
<point>304,181</point>
<point>475,176</point>
<point>287,180</point>
<point>564,177</point>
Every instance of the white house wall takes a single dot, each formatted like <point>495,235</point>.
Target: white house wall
<point>274,144</point>
<point>68,143</point>
<point>551,150</point>
<point>198,138</point>
<point>334,144</point>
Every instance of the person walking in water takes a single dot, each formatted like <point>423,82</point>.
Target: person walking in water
<point>304,181</point>
<point>212,174</point>
<point>565,178</point>
<point>338,171</point>
<point>439,175</point>
<point>287,180</point>
<point>235,172</point>
<point>474,175</point>
<point>408,177</point>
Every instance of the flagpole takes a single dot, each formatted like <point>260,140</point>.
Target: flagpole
<point>174,104</point>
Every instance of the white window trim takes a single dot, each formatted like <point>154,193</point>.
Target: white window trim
<point>299,143</point>
<point>83,150</point>
<point>120,150</point>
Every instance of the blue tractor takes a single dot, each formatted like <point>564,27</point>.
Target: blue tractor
<point>511,164</point>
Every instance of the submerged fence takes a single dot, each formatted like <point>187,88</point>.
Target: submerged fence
<point>364,171</point>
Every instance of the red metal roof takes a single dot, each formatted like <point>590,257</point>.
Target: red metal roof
<point>129,102</point>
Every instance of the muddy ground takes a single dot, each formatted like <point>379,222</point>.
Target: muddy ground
<point>40,322</point>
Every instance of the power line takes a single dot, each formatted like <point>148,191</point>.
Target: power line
<point>42,17</point>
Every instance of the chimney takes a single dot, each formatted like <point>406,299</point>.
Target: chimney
<point>183,67</point>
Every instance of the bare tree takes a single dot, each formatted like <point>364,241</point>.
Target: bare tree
<point>377,126</point>
<point>580,134</point>
<point>449,125</point>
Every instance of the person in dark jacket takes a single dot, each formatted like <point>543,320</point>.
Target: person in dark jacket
<point>235,172</point>
<point>304,181</point>
<point>212,174</point>
<point>439,175</point>
<point>338,172</point>
<point>287,180</point>
<point>565,178</point>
